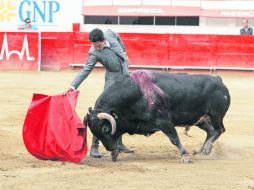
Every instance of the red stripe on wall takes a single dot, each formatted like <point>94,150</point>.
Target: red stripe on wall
<point>164,11</point>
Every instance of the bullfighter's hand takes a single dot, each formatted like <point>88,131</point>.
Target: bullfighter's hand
<point>71,88</point>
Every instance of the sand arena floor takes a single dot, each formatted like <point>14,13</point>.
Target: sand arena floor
<point>155,163</point>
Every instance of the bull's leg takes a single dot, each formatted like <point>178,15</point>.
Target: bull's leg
<point>122,147</point>
<point>218,130</point>
<point>215,129</point>
<point>94,152</point>
<point>169,129</point>
<point>208,128</point>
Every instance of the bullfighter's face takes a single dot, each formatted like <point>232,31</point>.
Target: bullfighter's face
<point>102,129</point>
<point>99,45</point>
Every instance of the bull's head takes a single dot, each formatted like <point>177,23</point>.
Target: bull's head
<point>103,126</point>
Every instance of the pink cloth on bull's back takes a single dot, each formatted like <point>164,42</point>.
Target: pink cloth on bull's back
<point>154,95</point>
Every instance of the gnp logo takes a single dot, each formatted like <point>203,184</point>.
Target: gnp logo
<point>38,11</point>
<point>7,11</point>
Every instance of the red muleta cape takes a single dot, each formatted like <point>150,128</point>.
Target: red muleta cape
<point>52,129</point>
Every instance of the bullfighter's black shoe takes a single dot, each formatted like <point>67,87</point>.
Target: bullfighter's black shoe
<point>122,148</point>
<point>94,152</point>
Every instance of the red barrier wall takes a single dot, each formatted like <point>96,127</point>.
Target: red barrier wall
<point>56,50</point>
<point>235,51</point>
<point>147,49</point>
<point>60,49</point>
<point>191,51</point>
<point>180,50</point>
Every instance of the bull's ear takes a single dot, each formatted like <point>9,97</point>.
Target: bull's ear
<point>90,109</point>
<point>112,112</point>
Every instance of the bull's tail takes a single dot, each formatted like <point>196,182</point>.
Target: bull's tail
<point>219,78</point>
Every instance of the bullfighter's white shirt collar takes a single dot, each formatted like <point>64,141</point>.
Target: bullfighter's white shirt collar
<point>107,44</point>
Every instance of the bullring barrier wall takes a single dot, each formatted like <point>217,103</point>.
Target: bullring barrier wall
<point>65,50</point>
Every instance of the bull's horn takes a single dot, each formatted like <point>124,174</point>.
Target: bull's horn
<point>110,119</point>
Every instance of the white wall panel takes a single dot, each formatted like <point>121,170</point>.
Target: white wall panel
<point>228,5</point>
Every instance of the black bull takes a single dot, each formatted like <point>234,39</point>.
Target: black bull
<point>145,102</point>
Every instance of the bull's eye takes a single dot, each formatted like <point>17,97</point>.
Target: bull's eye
<point>105,129</point>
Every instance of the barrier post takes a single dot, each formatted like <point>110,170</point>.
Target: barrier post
<point>75,27</point>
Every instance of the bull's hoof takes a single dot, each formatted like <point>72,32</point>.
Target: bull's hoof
<point>94,153</point>
<point>207,148</point>
<point>114,155</point>
<point>207,151</point>
<point>195,152</point>
<point>125,150</point>
<point>186,158</point>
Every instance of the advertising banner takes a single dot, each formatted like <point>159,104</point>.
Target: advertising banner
<point>46,15</point>
<point>20,51</point>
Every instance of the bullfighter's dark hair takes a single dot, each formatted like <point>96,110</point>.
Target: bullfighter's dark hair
<point>27,20</point>
<point>96,35</point>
